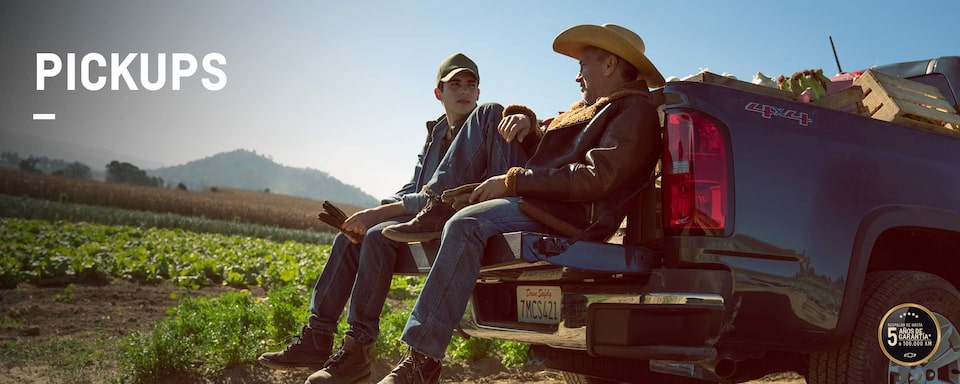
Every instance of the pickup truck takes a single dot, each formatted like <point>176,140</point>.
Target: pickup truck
<point>778,235</point>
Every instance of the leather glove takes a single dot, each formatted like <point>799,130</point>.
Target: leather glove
<point>459,197</point>
<point>334,217</point>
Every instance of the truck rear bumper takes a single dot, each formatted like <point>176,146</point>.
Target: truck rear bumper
<point>626,309</point>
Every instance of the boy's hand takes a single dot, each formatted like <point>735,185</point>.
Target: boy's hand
<point>514,126</point>
<point>334,217</point>
<point>357,224</point>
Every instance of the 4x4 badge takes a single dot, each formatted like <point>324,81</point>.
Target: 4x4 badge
<point>768,111</point>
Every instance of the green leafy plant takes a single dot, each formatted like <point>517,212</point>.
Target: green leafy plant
<point>60,253</point>
<point>405,287</point>
<point>513,354</point>
<point>393,318</point>
<point>200,337</point>
<point>288,310</point>
<point>472,349</point>
<point>67,295</point>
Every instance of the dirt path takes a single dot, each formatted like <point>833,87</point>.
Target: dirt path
<point>46,334</point>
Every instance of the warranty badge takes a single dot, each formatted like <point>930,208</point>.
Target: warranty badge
<point>909,334</point>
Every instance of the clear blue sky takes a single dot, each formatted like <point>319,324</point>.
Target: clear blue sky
<point>345,87</point>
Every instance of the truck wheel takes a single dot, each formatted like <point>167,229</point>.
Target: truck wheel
<point>860,360</point>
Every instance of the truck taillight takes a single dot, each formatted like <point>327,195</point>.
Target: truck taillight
<point>695,181</point>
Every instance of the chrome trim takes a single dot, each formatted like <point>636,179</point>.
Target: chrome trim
<point>656,298</point>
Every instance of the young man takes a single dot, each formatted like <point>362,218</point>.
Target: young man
<point>589,161</point>
<point>364,268</point>
<point>470,164</point>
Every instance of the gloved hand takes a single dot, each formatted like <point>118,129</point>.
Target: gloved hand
<point>458,197</point>
<point>335,217</point>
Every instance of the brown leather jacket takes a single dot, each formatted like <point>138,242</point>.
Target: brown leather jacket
<point>591,160</point>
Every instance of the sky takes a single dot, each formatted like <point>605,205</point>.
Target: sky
<point>346,86</point>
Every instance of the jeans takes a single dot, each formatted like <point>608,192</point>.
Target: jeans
<point>449,285</point>
<point>477,152</point>
<point>365,270</point>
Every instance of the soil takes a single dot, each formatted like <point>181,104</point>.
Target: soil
<point>44,323</point>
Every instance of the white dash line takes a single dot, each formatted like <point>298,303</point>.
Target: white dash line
<point>44,116</point>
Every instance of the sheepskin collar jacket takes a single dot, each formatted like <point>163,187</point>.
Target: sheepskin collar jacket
<point>591,160</point>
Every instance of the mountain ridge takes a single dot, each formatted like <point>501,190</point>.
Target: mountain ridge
<point>245,169</point>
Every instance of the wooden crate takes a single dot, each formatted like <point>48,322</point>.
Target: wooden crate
<point>713,78</point>
<point>848,100</point>
<point>907,102</point>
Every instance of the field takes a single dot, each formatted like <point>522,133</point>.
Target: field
<point>224,204</point>
<point>97,294</point>
<point>51,336</point>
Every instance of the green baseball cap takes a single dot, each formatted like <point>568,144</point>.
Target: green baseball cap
<point>455,64</point>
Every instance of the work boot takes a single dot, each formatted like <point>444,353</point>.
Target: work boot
<point>426,226</point>
<point>415,369</point>
<point>310,351</point>
<point>351,364</point>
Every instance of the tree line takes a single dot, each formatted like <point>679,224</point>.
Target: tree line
<point>117,172</point>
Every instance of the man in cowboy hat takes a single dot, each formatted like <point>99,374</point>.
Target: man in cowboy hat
<point>362,261</point>
<point>589,162</point>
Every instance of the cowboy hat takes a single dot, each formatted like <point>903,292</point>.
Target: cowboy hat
<point>614,39</point>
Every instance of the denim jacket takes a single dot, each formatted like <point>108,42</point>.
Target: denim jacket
<point>435,147</point>
<point>411,193</point>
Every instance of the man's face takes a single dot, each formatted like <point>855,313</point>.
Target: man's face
<point>591,74</point>
<point>459,95</point>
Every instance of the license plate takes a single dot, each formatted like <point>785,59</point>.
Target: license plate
<point>538,304</point>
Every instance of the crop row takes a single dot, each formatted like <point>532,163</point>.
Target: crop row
<point>215,203</point>
<point>29,208</point>
<point>61,252</point>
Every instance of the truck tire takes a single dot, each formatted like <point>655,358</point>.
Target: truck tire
<point>860,359</point>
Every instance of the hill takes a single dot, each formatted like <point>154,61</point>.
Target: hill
<point>251,171</point>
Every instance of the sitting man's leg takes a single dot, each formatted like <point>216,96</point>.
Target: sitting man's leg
<point>377,261</point>
<point>477,153</point>
<point>330,293</point>
<point>442,301</point>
